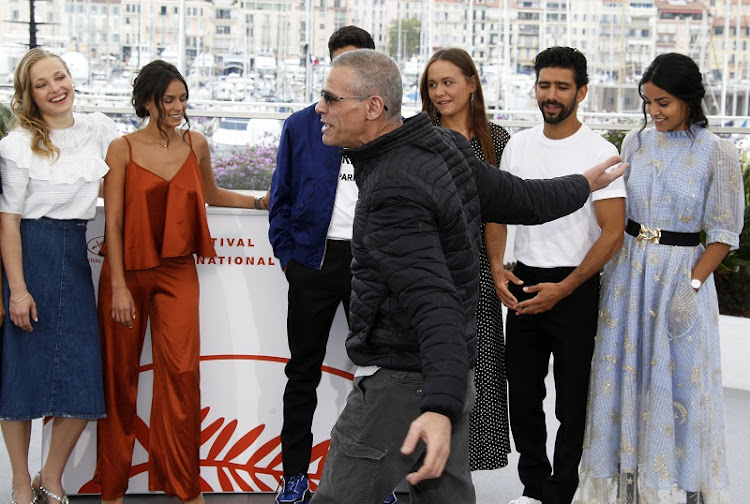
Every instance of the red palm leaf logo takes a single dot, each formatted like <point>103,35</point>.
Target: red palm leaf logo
<point>248,465</point>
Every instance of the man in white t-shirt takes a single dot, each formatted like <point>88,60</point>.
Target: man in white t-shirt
<point>553,292</point>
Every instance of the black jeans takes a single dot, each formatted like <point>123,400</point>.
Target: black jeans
<point>314,297</point>
<point>567,332</point>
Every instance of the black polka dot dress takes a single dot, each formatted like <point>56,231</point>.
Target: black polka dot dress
<point>489,441</point>
<point>489,438</point>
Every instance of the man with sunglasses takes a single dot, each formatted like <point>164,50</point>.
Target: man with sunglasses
<point>311,210</point>
<point>415,268</point>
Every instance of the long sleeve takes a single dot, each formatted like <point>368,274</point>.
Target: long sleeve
<point>280,209</point>
<point>507,199</point>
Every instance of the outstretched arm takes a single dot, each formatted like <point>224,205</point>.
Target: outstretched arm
<point>216,195</point>
<point>507,199</point>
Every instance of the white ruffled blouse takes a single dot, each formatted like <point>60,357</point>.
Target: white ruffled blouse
<point>37,186</point>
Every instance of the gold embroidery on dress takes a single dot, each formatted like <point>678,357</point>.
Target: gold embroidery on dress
<point>610,358</point>
<point>695,376</point>
<point>658,165</point>
<point>626,446</point>
<point>661,140</point>
<point>680,413</point>
<point>686,216</point>
<point>722,214</point>
<point>632,304</point>
<point>629,347</point>
<point>606,319</point>
<point>660,467</point>
<point>735,182</point>
<point>679,452</point>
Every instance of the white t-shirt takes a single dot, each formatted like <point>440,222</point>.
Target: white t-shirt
<point>37,186</point>
<point>342,219</point>
<point>563,242</point>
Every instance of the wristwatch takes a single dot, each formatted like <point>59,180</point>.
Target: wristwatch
<point>695,283</point>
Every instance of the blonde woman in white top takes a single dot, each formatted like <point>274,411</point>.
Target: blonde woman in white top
<point>51,164</point>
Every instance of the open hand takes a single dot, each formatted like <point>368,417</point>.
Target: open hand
<point>604,173</point>
<point>435,430</point>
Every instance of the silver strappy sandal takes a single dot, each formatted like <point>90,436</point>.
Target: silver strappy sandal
<point>34,496</point>
<point>46,495</point>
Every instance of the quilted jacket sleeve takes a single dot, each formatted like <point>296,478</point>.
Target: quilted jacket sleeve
<point>508,199</point>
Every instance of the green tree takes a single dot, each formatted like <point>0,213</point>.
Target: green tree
<point>6,120</point>
<point>410,30</point>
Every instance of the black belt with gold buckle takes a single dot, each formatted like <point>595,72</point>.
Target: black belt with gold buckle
<point>660,237</point>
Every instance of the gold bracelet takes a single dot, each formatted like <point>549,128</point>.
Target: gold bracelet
<point>16,302</point>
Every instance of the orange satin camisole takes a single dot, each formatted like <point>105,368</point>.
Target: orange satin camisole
<point>164,218</point>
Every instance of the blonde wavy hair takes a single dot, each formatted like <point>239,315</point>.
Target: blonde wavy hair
<point>28,115</point>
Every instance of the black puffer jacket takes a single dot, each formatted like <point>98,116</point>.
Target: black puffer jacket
<point>415,250</point>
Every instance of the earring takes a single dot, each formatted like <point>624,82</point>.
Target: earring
<point>471,97</point>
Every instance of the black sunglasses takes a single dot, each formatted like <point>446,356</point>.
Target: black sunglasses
<point>329,98</point>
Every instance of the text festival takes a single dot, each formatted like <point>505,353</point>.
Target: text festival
<point>239,260</point>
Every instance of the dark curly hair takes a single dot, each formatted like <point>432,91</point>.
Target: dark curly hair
<point>679,76</point>
<point>150,84</point>
<point>563,57</point>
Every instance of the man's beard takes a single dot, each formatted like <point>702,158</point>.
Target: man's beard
<point>564,113</point>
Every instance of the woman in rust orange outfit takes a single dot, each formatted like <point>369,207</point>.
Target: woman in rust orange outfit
<point>154,198</point>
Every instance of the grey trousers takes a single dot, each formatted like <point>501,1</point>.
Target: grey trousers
<point>364,463</point>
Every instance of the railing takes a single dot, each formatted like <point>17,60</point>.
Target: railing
<point>514,119</point>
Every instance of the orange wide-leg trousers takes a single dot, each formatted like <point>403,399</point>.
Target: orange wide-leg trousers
<point>167,296</point>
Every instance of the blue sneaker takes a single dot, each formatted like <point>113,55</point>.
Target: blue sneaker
<point>391,499</point>
<point>294,490</point>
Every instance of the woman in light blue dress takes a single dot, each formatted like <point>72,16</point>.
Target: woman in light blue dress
<point>655,421</point>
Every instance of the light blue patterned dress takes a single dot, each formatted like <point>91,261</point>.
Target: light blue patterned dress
<point>655,420</point>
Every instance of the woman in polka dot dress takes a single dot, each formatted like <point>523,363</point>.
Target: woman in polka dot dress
<point>452,94</point>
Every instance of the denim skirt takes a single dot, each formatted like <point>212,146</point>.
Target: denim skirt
<point>54,370</point>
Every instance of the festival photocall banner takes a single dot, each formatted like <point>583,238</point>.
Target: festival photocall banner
<point>243,307</point>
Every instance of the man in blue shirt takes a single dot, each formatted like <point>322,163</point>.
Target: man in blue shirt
<point>313,195</point>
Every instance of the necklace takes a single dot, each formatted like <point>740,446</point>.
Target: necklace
<point>159,143</point>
